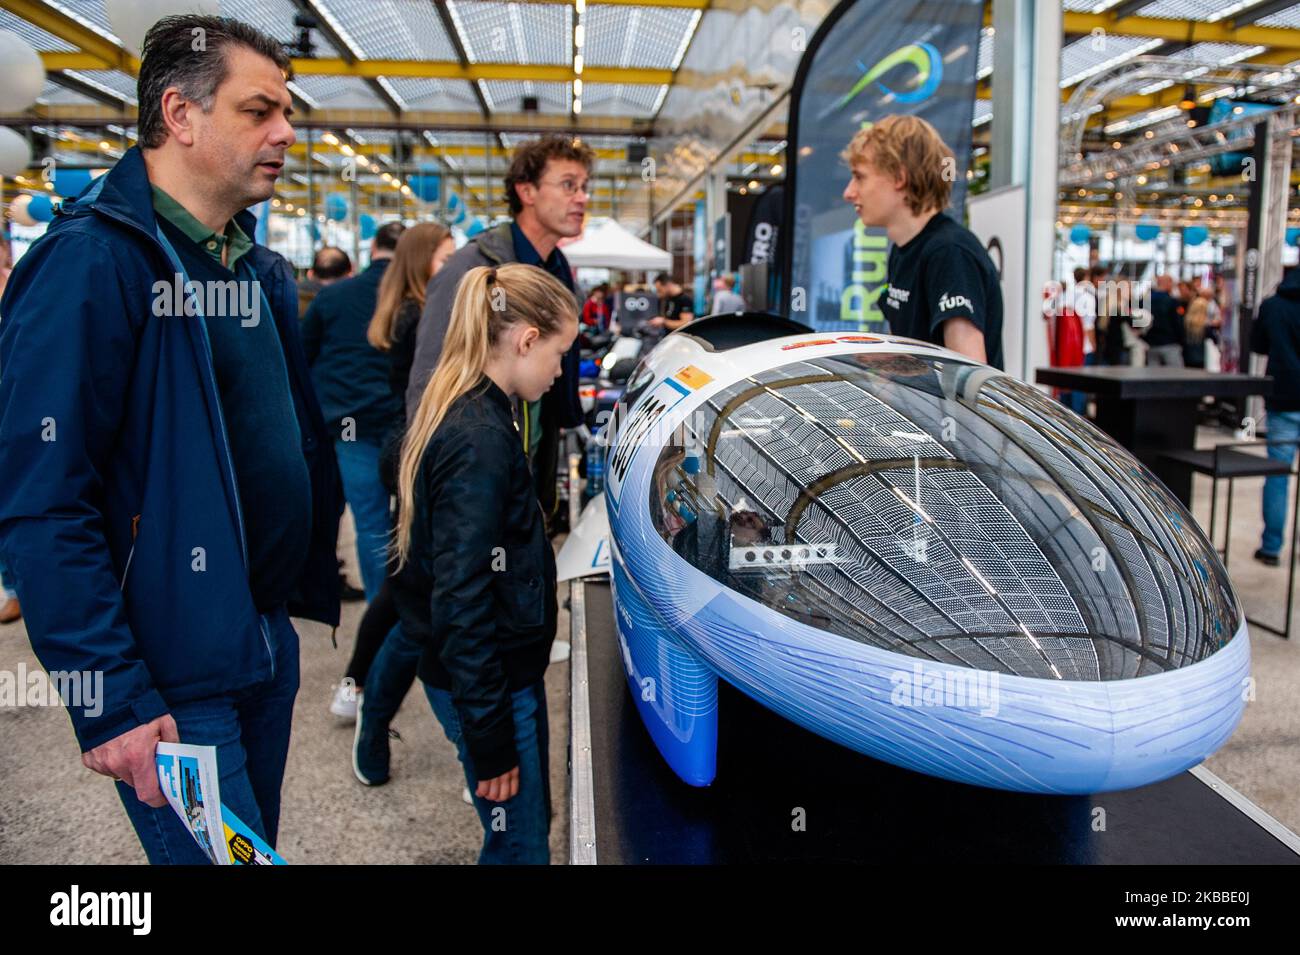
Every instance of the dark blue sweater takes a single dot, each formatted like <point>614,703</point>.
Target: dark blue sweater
<point>351,376</point>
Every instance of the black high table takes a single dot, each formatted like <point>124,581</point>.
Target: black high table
<point>628,807</point>
<point>1153,410</point>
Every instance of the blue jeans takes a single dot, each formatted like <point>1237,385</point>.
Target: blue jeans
<point>515,832</point>
<point>1077,401</point>
<point>359,466</point>
<point>1282,426</point>
<point>390,676</point>
<point>250,730</point>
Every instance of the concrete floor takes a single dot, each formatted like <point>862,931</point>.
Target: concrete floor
<point>54,811</point>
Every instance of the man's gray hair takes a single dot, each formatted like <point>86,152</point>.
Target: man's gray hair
<point>189,52</point>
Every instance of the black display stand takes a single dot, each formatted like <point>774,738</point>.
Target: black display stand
<point>1153,410</point>
<point>627,806</point>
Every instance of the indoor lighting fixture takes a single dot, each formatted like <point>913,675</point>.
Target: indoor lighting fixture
<point>1188,102</point>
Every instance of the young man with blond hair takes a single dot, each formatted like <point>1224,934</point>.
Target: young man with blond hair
<point>942,285</point>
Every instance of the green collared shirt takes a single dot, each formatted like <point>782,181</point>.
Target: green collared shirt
<point>211,242</point>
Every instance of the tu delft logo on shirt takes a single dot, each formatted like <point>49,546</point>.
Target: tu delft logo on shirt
<point>230,298</point>
<point>949,302</point>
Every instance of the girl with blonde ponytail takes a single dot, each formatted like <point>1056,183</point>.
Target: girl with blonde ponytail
<point>476,584</point>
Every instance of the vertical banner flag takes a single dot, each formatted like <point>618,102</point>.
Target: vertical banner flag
<point>867,60</point>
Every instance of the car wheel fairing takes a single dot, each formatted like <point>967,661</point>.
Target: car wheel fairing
<point>933,563</point>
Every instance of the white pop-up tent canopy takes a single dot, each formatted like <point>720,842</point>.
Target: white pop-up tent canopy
<point>607,245</point>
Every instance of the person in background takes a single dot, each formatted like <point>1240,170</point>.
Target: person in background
<point>11,610</point>
<point>6,260</point>
<point>421,252</point>
<point>676,307</point>
<point>725,297</point>
<point>188,503</point>
<point>1276,333</point>
<point>328,266</point>
<point>1166,336</point>
<point>547,190</point>
<point>942,286</point>
<point>595,310</point>
<point>351,378</point>
<point>477,576</point>
<point>1203,323</point>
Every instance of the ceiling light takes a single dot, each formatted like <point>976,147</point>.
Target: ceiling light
<point>577,87</point>
<point>577,64</point>
<point>577,105</point>
<point>579,35</point>
<point>330,138</point>
<point>777,169</point>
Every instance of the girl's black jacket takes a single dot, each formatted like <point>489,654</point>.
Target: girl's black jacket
<point>479,587</point>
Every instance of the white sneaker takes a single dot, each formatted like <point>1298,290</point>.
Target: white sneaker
<point>344,703</point>
<point>560,651</point>
<point>465,796</point>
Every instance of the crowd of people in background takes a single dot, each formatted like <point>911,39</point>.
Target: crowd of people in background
<point>1102,319</point>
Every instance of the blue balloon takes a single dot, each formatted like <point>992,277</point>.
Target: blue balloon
<point>1080,233</point>
<point>1292,235</point>
<point>336,208</point>
<point>367,223</point>
<point>1195,234</point>
<point>456,211</point>
<point>1146,231</point>
<point>70,182</point>
<point>41,208</point>
<point>475,227</point>
<point>425,186</point>
<point>314,231</point>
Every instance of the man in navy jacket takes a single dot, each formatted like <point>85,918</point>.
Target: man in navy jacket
<point>171,494</point>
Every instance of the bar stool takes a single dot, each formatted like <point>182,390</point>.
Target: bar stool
<point>1226,462</point>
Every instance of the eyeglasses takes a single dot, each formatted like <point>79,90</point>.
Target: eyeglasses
<point>570,187</point>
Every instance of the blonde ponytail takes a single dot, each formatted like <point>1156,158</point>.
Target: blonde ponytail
<point>488,301</point>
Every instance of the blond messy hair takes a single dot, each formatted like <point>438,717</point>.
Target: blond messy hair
<point>910,147</point>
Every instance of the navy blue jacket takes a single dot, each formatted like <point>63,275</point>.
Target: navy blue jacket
<point>1276,333</point>
<point>120,520</point>
<point>351,375</point>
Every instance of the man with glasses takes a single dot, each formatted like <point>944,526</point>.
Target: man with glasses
<point>546,188</point>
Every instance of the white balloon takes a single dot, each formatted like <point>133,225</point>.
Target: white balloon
<point>18,209</point>
<point>15,152</point>
<point>131,19</point>
<point>23,72</point>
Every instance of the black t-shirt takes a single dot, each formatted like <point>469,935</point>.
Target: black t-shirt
<point>943,273</point>
<point>673,307</point>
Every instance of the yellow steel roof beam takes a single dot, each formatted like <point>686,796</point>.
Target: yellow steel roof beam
<point>108,54</point>
<point>1183,30</point>
<point>451,70</point>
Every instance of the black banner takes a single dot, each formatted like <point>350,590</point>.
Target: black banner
<point>867,60</point>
